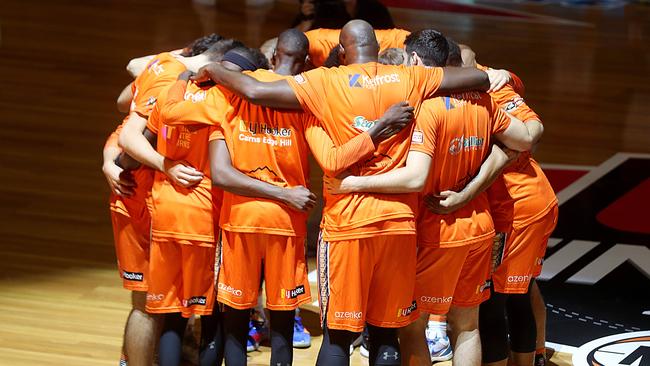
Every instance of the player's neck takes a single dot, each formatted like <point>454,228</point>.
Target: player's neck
<point>360,59</point>
<point>283,69</point>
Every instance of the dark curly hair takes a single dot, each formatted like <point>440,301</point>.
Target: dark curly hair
<point>200,45</point>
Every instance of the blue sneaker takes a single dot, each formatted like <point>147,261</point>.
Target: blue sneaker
<point>439,345</point>
<point>301,336</point>
<point>257,333</point>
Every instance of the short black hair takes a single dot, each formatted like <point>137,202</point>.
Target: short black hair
<point>201,44</point>
<point>454,58</point>
<point>430,45</point>
<point>293,42</point>
<point>218,49</point>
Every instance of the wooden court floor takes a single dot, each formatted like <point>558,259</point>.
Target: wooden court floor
<point>62,63</point>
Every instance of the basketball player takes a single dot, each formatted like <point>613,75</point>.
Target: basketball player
<point>130,214</point>
<point>524,210</point>
<point>451,140</point>
<point>178,287</point>
<point>362,233</point>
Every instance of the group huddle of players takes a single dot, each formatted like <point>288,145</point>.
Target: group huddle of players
<point>433,203</point>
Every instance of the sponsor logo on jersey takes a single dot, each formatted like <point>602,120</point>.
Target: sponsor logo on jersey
<point>231,290</point>
<point>462,143</point>
<point>519,279</point>
<point>363,81</point>
<point>196,97</point>
<point>436,299</point>
<point>483,287</point>
<point>133,276</point>
<point>196,300</point>
<point>292,294</point>
<point>155,297</point>
<point>151,101</point>
<point>299,79</point>
<point>255,127</point>
<point>362,124</point>
<point>156,67</point>
<point>407,310</point>
<point>619,349</point>
<point>513,104</point>
<point>417,138</point>
<point>348,315</point>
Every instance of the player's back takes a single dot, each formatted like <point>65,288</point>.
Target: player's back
<point>348,100</point>
<point>184,213</point>
<point>459,128</point>
<point>269,145</point>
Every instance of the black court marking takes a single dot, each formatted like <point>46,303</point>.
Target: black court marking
<point>582,311</point>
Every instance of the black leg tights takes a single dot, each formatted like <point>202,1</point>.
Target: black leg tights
<point>212,339</point>
<point>493,328</point>
<point>384,347</point>
<point>171,340</point>
<point>335,349</point>
<point>282,337</point>
<point>236,331</point>
<point>521,323</point>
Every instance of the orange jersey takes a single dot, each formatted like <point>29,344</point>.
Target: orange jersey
<point>523,193</point>
<point>184,213</point>
<point>272,146</point>
<point>161,71</point>
<point>269,145</point>
<point>322,41</point>
<point>515,83</point>
<point>347,100</point>
<point>456,132</point>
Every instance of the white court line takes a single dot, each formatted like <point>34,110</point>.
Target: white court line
<point>596,173</point>
<point>561,347</point>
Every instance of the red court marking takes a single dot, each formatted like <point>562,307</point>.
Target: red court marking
<point>561,178</point>
<point>629,213</point>
<point>453,8</point>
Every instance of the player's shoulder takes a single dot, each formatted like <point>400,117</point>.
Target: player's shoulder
<point>265,75</point>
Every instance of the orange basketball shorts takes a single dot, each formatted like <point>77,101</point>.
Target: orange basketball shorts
<point>181,278</point>
<point>456,276</point>
<point>523,255</point>
<point>244,255</point>
<point>131,233</point>
<point>367,280</point>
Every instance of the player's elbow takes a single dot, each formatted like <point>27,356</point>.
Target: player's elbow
<point>415,183</point>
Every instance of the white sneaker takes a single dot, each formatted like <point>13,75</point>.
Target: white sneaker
<point>438,342</point>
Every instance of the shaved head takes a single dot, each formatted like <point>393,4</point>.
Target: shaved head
<point>290,53</point>
<point>293,42</point>
<point>359,42</point>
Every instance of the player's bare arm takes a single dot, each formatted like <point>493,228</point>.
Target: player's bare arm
<point>120,181</point>
<point>410,178</point>
<point>520,136</point>
<point>276,94</point>
<point>459,79</point>
<point>138,141</point>
<point>125,98</point>
<point>336,159</point>
<point>447,202</point>
<point>228,178</point>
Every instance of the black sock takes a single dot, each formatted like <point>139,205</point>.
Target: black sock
<point>282,337</point>
<point>212,339</point>
<point>384,347</point>
<point>521,323</point>
<point>171,340</point>
<point>335,349</point>
<point>236,331</point>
